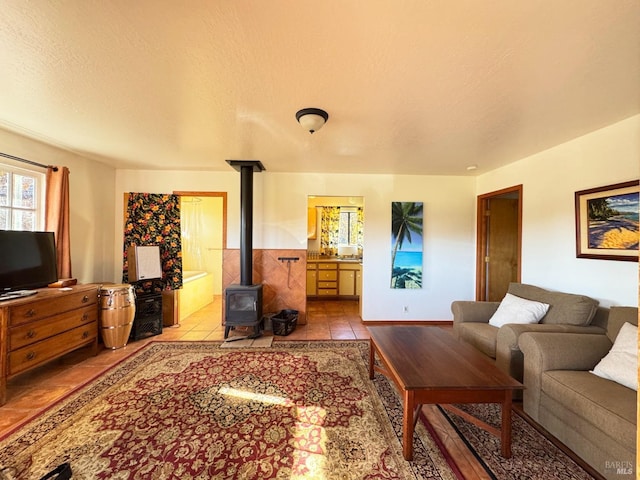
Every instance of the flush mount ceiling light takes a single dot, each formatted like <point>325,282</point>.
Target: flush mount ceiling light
<point>312,119</point>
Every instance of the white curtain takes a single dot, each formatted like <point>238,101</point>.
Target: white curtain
<point>192,255</point>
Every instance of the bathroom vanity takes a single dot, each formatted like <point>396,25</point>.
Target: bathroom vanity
<point>333,277</point>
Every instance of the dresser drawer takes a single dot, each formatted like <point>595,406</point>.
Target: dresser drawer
<point>327,266</point>
<point>40,352</point>
<point>327,291</point>
<point>327,285</point>
<point>349,266</point>
<point>38,330</point>
<point>47,307</point>
<point>328,275</point>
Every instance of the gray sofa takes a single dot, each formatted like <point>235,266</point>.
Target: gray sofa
<point>567,312</point>
<point>593,416</point>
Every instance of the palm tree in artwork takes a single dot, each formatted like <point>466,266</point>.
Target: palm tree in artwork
<point>406,218</point>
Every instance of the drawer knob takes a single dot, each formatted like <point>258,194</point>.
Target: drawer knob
<point>30,313</point>
<point>85,317</point>
<point>31,333</point>
<point>85,299</point>
<point>85,334</point>
<point>31,355</point>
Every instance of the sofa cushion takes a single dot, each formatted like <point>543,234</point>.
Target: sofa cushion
<point>514,309</point>
<point>482,336</point>
<point>617,317</point>
<point>621,363</point>
<point>564,308</point>
<point>606,405</point>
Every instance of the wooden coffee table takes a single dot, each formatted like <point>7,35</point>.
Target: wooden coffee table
<point>428,365</point>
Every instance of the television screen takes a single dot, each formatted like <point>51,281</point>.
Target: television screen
<point>27,260</point>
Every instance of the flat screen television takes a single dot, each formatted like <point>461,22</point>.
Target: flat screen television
<point>27,260</point>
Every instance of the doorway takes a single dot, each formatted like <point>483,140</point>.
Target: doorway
<point>499,242</point>
<point>334,250</point>
<point>203,218</point>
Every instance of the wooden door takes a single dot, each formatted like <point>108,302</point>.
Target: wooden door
<point>502,246</point>
<point>499,242</point>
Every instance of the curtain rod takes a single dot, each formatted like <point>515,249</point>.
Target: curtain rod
<point>30,162</point>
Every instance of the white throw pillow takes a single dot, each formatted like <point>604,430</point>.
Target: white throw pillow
<point>621,363</point>
<point>514,309</point>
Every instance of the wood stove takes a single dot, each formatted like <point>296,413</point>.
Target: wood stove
<point>243,302</point>
<point>243,307</point>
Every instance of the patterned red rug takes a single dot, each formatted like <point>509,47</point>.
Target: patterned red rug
<point>193,410</point>
<point>533,456</point>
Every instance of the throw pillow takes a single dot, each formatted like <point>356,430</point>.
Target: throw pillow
<point>621,363</point>
<point>514,309</point>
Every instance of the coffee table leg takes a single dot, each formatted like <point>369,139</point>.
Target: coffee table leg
<point>407,425</point>
<point>505,441</point>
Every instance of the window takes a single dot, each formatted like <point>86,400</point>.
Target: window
<point>21,199</point>
<point>348,231</point>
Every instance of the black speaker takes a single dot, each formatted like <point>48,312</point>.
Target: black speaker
<point>148,318</point>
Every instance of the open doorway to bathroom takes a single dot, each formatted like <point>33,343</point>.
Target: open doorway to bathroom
<point>203,219</point>
<point>335,236</point>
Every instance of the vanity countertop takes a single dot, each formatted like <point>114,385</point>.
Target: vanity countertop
<point>334,259</point>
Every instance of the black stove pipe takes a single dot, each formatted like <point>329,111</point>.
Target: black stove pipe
<point>246,225</point>
<point>246,169</point>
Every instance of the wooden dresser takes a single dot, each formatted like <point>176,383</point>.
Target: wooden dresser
<point>37,329</point>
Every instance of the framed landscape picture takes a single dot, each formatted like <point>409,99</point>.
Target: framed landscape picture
<point>607,222</point>
<point>406,244</point>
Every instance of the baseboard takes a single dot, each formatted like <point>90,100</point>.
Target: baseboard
<point>436,323</point>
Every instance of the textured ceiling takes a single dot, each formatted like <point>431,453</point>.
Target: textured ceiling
<point>411,87</point>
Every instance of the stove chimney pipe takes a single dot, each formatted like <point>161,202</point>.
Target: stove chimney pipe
<point>246,169</point>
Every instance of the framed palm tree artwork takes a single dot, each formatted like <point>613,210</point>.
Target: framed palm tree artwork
<point>406,244</point>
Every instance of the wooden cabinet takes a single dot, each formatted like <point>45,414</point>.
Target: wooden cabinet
<point>170,309</point>
<point>312,280</point>
<point>348,279</point>
<point>327,279</point>
<point>333,279</point>
<point>37,329</point>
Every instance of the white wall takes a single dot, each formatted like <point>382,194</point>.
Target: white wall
<point>91,187</point>
<point>280,221</point>
<point>449,205</point>
<point>550,179</point>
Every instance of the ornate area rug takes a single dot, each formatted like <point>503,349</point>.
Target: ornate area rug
<point>299,410</point>
<point>533,456</point>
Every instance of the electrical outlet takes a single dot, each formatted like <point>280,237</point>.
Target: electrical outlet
<point>405,309</point>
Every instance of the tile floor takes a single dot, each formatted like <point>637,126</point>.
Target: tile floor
<point>34,391</point>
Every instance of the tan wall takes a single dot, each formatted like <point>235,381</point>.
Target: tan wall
<point>92,213</point>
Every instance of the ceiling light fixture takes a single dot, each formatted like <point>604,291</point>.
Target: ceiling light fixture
<point>312,119</point>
